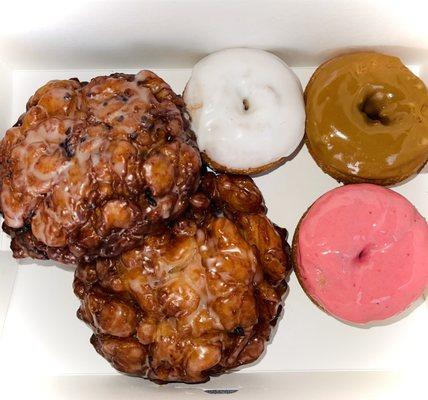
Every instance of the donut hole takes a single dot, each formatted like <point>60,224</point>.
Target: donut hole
<point>245,104</point>
<point>363,255</point>
<point>373,107</point>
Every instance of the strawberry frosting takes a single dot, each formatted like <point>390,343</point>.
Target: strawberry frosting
<point>362,253</point>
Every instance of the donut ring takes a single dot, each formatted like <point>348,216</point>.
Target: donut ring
<point>367,119</point>
<point>247,110</point>
<point>363,271</point>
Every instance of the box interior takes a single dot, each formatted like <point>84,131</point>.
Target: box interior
<point>165,33</point>
<point>42,341</point>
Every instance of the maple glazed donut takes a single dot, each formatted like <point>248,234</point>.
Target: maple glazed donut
<point>197,300</point>
<point>367,119</point>
<point>246,108</point>
<point>361,253</point>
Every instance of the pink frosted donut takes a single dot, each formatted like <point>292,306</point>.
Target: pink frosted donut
<point>361,253</point>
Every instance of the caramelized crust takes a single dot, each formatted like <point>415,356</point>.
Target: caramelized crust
<point>197,300</point>
<point>90,169</point>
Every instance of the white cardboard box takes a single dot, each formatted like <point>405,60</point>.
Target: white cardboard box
<point>45,351</point>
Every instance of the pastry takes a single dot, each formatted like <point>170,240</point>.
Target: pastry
<point>90,168</point>
<point>196,300</point>
<point>246,109</point>
<point>361,253</point>
<point>367,119</point>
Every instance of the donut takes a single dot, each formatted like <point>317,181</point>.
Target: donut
<point>367,119</point>
<point>247,110</point>
<point>90,168</point>
<point>197,300</point>
<point>361,253</point>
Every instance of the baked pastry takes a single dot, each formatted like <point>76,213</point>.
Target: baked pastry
<point>196,300</point>
<point>367,119</point>
<point>247,110</point>
<point>90,168</point>
<point>361,253</point>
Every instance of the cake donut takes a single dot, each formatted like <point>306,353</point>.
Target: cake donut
<point>367,119</point>
<point>246,109</point>
<point>361,253</point>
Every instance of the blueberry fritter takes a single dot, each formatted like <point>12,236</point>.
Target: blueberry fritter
<point>91,168</point>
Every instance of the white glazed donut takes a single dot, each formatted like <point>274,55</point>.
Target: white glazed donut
<point>247,110</point>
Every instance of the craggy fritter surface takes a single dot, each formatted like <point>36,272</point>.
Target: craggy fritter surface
<point>197,300</point>
<point>90,168</point>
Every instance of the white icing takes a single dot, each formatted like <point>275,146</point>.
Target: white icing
<point>272,126</point>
